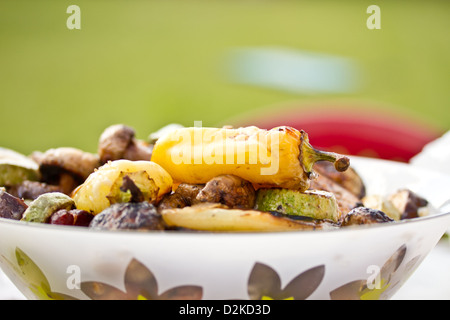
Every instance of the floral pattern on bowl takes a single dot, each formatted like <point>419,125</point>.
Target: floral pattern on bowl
<point>264,283</point>
<point>140,284</point>
<point>389,277</point>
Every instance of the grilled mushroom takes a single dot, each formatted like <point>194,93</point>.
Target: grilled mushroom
<point>229,190</point>
<point>119,142</point>
<point>66,167</point>
<point>184,195</point>
<point>128,216</point>
<point>11,207</point>
<point>30,190</point>
<point>363,215</point>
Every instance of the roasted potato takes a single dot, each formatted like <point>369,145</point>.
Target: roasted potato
<point>103,187</point>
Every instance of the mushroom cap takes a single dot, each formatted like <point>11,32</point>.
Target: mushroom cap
<point>75,161</point>
<point>118,142</point>
<point>114,141</point>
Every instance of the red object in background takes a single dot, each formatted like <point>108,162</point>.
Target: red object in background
<point>374,133</point>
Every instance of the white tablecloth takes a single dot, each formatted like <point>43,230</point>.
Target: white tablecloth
<point>7,290</point>
<point>431,280</point>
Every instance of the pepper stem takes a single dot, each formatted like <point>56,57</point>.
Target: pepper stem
<point>309,155</point>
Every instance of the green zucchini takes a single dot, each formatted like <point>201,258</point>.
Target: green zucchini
<point>315,204</point>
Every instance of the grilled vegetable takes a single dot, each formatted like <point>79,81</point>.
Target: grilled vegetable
<point>41,209</point>
<point>16,168</point>
<point>381,203</point>
<point>66,167</point>
<point>363,215</point>
<point>11,207</point>
<point>402,204</point>
<point>118,142</point>
<point>350,179</point>
<point>409,204</point>
<point>189,192</point>
<point>280,157</point>
<point>346,200</point>
<point>216,217</point>
<point>230,190</point>
<point>128,216</point>
<point>311,203</point>
<point>107,185</point>
<point>133,187</point>
<point>30,190</point>
<point>184,195</point>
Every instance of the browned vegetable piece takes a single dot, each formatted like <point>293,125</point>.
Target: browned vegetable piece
<point>30,190</point>
<point>133,187</point>
<point>11,207</point>
<point>346,200</point>
<point>16,168</point>
<point>119,142</point>
<point>408,203</point>
<point>190,192</point>
<point>184,195</point>
<point>128,216</point>
<point>215,217</point>
<point>66,167</point>
<point>363,215</point>
<point>230,190</point>
<point>41,209</point>
<point>379,202</point>
<point>72,217</point>
<point>171,201</point>
<point>348,179</point>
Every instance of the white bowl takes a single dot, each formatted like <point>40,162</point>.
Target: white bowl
<point>364,262</point>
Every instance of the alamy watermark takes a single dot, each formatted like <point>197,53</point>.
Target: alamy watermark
<point>374,279</point>
<point>74,279</point>
<point>374,20</point>
<point>74,20</point>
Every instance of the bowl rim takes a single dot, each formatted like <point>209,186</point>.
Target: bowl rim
<point>193,233</point>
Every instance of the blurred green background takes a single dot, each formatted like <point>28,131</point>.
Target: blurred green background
<point>150,63</point>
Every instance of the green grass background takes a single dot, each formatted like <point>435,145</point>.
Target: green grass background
<point>149,63</point>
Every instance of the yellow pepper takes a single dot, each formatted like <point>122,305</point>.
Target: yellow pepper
<point>280,157</point>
